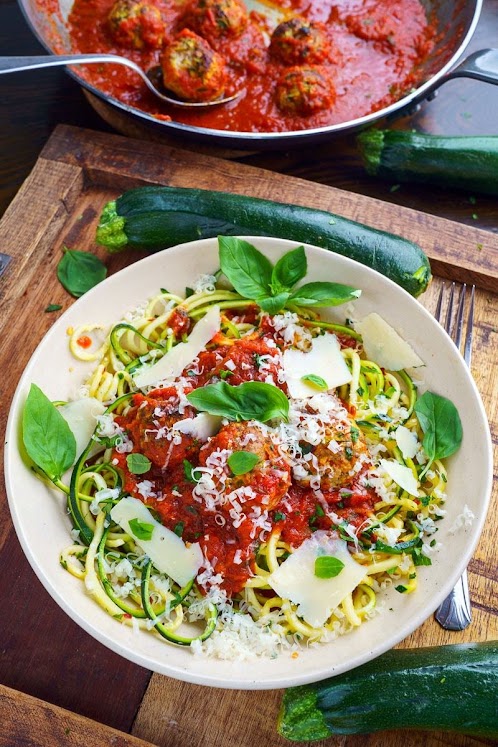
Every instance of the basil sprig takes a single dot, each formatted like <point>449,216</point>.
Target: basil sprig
<point>441,424</point>
<point>47,437</point>
<point>272,287</point>
<point>252,400</point>
<point>80,271</point>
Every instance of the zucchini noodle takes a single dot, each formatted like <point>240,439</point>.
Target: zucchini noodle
<point>387,530</point>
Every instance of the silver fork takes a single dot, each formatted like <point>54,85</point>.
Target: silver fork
<point>455,612</point>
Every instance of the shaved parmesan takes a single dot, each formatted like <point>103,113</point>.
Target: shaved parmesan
<point>324,360</point>
<point>171,365</point>
<point>316,597</point>
<point>407,442</point>
<point>81,416</point>
<point>168,552</point>
<point>402,476</point>
<point>203,426</point>
<point>384,345</point>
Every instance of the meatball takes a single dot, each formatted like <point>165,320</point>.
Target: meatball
<point>150,427</point>
<point>269,478</point>
<point>214,19</point>
<point>136,24</point>
<point>335,457</point>
<point>296,42</point>
<point>304,91</point>
<point>192,69</point>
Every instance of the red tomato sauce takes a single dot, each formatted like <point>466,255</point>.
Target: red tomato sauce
<point>373,51</point>
<point>291,509</point>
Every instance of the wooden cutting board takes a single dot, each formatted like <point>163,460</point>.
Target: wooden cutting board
<point>59,204</point>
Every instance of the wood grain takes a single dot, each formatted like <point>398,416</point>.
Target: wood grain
<point>51,657</point>
<point>54,726</point>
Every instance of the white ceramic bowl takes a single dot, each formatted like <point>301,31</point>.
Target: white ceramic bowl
<point>43,527</point>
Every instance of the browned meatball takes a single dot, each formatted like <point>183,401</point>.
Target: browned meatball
<point>136,24</point>
<point>304,91</point>
<point>213,19</point>
<point>296,42</point>
<point>336,456</point>
<point>269,478</point>
<point>192,69</point>
<point>150,427</point>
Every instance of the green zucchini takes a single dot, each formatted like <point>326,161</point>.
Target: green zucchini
<point>469,163</point>
<point>154,218</point>
<point>448,688</point>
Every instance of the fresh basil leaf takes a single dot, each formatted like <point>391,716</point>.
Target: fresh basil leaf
<point>323,294</point>
<point>315,381</point>
<point>247,269</point>
<point>441,424</point>
<point>53,307</point>
<point>289,270</point>
<point>80,271</point>
<point>47,437</point>
<point>241,462</point>
<point>188,469</point>
<point>274,304</point>
<point>141,529</point>
<point>252,400</point>
<point>138,464</point>
<point>326,566</point>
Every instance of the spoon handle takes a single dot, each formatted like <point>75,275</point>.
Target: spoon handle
<point>16,64</point>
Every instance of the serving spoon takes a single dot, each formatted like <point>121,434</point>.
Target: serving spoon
<point>152,78</point>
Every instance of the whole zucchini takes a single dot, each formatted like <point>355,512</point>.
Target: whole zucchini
<point>450,688</point>
<point>154,218</point>
<point>469,163</point>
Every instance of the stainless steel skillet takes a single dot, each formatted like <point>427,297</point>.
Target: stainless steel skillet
<point>456,22</point>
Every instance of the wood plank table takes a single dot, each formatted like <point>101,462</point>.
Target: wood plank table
<point>59,686</point>
<point>45,654</point>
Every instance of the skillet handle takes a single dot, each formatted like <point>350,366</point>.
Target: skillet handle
<point>481,65</point>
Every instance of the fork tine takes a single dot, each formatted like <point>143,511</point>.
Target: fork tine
<point>459,317</point>
<point>439,306</point>
<point>449,310</point>
<point>467,351</point>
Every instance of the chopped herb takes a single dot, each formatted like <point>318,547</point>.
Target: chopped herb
<point>279,516</point>
<point>163,290</point>
<point>355,434</point>
<point>348,452</point>
<point>53,307</point>
<point>141,529</point>
<point>188,469</point>
<point>412,575</point>
<point>191,373</point>
<point>394,187</point>
<point>305,447</point>
<point>479,246</point>
<point>401,589</point>
<point>419,558</point>
<point>433,543</point>
<point>360,392</point>
<point>178,528</point>
<point>225,374</point>
<point>475,216</point>
<point>189,292</point>
<point>326,566</point>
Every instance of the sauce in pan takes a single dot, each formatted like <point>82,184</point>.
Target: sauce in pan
<point>325,63</point>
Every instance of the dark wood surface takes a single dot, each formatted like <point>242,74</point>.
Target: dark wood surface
<point>44,654</point>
